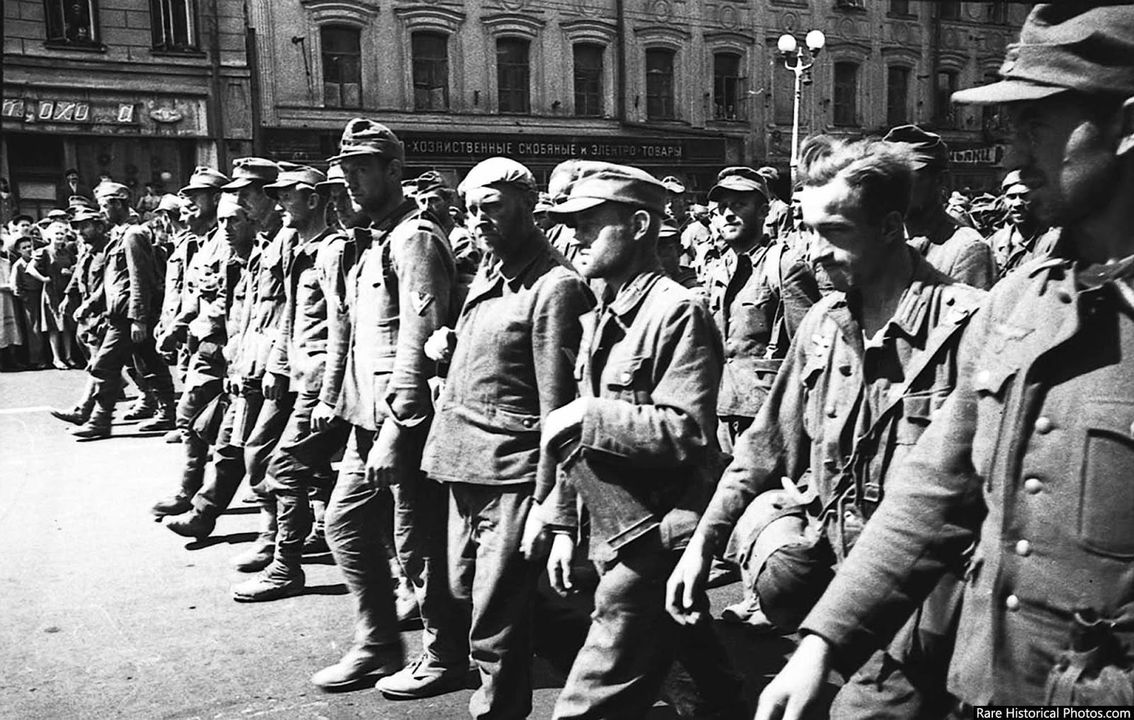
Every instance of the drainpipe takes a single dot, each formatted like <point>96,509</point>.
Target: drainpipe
<point>216,116</point>
<point>620,30</point>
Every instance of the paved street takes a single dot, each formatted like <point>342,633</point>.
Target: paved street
<point>104,613</point>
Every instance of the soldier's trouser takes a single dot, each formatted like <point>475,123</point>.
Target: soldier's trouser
<point>115,352</point>
<point>887,689</point>
<point>353,520</point>
<point>632,641</point>
<point>192,401</point>
<point>251,428</point>
<point>301,464</point>
<point>486,524</point>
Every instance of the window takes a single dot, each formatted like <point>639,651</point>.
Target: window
<point>949,10</point>
<point>174,25</point>
<point>846,93</point>
<point>342,67</point>
<point>990,117</point>
<point>588,79</point>
<point>783,93</point>
<point>944,86</point>
<point>998,12</point>
<point>728,87</point>
<point>854,4</point>
<point>897,95</point>
<point>899,7</point>
<point>71,22</point>
<point>430,70</point>
<point>513,75</point>
<point>659,84</point>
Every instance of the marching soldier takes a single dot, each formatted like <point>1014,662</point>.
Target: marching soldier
<point>1031,456</point>
<point>1022,238</point>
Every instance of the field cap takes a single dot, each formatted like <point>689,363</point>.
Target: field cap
<point>673,185</point>
<point>79,200</point>
<point>83,213</point>
<point>928,149</point>
<point>496,171</point>
<point>292,175</point>
<point>334,177</point>
<point>205,178</point>
<point>57,215</point>
<point>111,191</point>
<point>1014,177</point>
<point>169,203</point>
<point>249,170</point>
<point>1083,46</point>
<point>739,179</point>
<point>430,181</point>
<point>367,137</point>
<point>578,185</point>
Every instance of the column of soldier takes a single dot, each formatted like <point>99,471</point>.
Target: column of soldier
<point>864,371</point>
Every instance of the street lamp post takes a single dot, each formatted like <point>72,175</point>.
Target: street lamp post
<point>804,58</point>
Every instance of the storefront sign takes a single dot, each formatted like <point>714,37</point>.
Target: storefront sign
<point>68,111</point>
<point>987,155</point>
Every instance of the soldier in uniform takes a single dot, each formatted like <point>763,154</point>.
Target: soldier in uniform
<point>398,293</point>
<point>637,446</point>
<point>954,249</point>
<point>870,365</point>
<point>758,294</point>
<point>1031,456</point>
<point>1022,238</point>
<point>132,301</point>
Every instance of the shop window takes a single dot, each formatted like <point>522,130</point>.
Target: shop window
<point>71,22</point>
<point>174,25</point>
<point>729,92</point>
<point>945,85</point>
<point>659,84</point>
<point>897,95</point>
<point>846,94</point>
<point>430,70</point>
<point>342,66</point>
<point>513,74</point>
<point>588,79</point>
<point>949,10</point>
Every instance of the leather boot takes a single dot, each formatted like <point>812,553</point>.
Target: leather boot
<point>173,437</point>
<point>260,555</point>
<point>316,542</point>
<point>82,411</point>
<point>174,505</point>
<point>164,418</point>
<point>278,580</point>
<point>359,664</point>
<point>98,426</point>
<point>194,524</point>
<point>144,407</point>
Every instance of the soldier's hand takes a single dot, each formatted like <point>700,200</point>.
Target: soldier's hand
<point>534,542</point>
<point>322,416</point>
<point>685,598</point>
<point>562,423</point>
<point>440,345</point>
<point>559,563</point>
<point>797,686</point>
<point>138,332</point>
<point>385,464</point>
<point>274,386</point>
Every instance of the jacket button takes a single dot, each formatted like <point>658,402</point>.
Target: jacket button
<point>832,411</point>
<point>528,422</point>
<point>1023,548</point>
<point>1033,485</point>
<point>1063,295</point>
<point>983,377</point>
<point>1044,425</point>
<point>626,377</point>
<point>1012,603</point>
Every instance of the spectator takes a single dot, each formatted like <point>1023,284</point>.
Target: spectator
<point>55,262</point>
<point>71,185</point>
<point>7,202</point>
<point>149,202</point>
<point>11,333</point>
<point>28,284</point>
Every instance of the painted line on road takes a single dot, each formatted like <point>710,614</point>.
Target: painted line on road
<point>18,411</point>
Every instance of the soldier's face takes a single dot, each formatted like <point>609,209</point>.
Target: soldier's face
<point>605,234</point>
<point>433,203</point>
<point>675,206</point>
<point>738,217</point>
<point>201,205</point>
<point>843,244</point>
<point>1065,155</point>
<point>498,217</point>
<point>90,231</point>
<point>236,228</point>
<point>296,206</point>
<point>1016,201</point>
<point>256,202</point>
<point>369,181</point>
<point>115,209</point>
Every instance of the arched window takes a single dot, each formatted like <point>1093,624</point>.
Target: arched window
<point>588,79</point>
<point>659,84</point>
<point>342,66</point>
<point>430,70</point>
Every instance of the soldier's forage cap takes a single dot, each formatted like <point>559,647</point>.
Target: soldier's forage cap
<point>83,213</point>
<point>57,215</point>
<point>79,201</point>
<point>1087,46</point>
<point>673,185</point>
<point>543,203</point>
<point>170,203</point>
<point>429,181</point>
<point>1014,177</point>
<point>739,179</point>
<point>292,175</point>
<point>205,178</point>
<point>111,191</point>
<point>496,171</point>
<point>769,173</point>
<point>366,137</point>
<point>249,170</point>
<point>228,206</point>
<point>334,177</point>
<point>929,150</point>
<point>578,185</point>
<point>668,232</point>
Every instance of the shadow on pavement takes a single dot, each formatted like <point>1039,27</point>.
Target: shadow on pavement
<point>336,589</point>
<point>218,539</point>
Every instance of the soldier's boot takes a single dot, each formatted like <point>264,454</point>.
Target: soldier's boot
<point>278,580</point>
<point>259,556</point>
<point>173,437</point>
<point>82,411</point>
<point>194,524</point>
<point>405,599</point>
<point>316,542</point>
<point>143,408</point>
<point>97,426</point>
<point>173,505</point>
<point>164,418</point>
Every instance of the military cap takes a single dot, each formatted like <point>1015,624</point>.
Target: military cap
<point>495,171</point>
<point>57,215</point>
<point>579,185</point>
<point>22,216</point>
<point>227,205</point>
<point>668,232</point>
<point>1086,46</point>
<point>543,203</point>
<point>740,179</point>
<point>334,177</point>
<point>249,170</point>
<point>429,181</point>
<point>292,175</point>
<point>83,213</point>
<point>673,185</point>
<point>169,203</point>
<point>769,173</point>
<point>1012,178</point>
<point>929,150</point>
<point>367,137</point>
<point>111,190</point>
<point>79,200</point>
<point>205,178</point>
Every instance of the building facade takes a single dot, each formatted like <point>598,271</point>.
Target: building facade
<point>679,87</point>
<point>137,90</point>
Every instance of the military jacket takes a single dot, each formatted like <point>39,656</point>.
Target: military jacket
<point>130,277</point>
<point>185,248</point>
<point>1032,459</point>
<point>959,252</point>
<point>260,327</point>
<point>1012,250</point>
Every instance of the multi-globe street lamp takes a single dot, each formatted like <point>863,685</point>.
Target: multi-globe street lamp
<point>799,60</point>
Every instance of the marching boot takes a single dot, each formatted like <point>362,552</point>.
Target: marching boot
<point>194,524</point>
<point>259,556</point>
<point>174,505</point>
<point>164,417</point>
<point>144,407</point>
<point>82,411</point>
<point>279,580</point>
<point>98,426</point>
<point>316,542</point>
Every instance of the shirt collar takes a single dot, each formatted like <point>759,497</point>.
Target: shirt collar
<point>633,292</point>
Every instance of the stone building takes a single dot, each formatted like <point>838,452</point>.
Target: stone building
<point>677,86</point>
<point>139,90</point>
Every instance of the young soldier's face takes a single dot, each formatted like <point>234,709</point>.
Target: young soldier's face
<point>296,206</point>
<point>368,181</point>
<point>1016,201</point>
<point>606,238</point>
<point>256,202</point>
<point>235,227</point>
<point>843,244</point>
<point>738,217</point>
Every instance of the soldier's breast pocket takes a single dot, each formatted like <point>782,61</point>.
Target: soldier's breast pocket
<point>755,311</point>
<point>626,379</point>
<point>1103,462</point>
<point>993,385</point>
